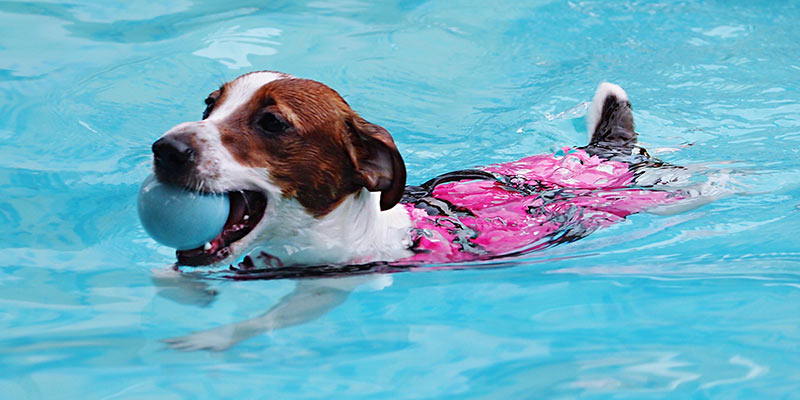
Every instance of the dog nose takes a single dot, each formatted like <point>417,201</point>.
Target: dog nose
<point>171,153</point>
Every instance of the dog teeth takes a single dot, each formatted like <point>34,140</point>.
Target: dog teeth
<point>246,217</point>
<point>207,246</point>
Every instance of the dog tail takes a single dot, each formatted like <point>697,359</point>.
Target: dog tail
<point>610,122</point>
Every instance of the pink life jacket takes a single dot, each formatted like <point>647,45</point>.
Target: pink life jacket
<point>525,205</point>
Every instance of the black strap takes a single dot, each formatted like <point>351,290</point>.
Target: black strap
<point>414,193</point>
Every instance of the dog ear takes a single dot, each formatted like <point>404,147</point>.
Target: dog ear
<point>378,164</point>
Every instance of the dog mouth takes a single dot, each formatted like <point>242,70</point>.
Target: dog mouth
<point>247,210</point>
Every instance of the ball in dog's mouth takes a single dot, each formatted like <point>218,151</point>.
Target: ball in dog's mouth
<point>247,210</point>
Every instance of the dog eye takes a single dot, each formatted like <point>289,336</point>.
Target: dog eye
<point>209,107</point>
<point>272,123</point>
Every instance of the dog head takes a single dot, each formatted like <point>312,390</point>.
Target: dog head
<point>287,150</point>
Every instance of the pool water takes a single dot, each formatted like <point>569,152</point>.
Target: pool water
<point>700,304</point>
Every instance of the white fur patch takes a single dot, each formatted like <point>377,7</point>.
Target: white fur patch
<point>596,109</point>
<point>241,91</point>
<point>356,231</point>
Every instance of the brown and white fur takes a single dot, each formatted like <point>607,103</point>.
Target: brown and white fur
<point>331,180</point>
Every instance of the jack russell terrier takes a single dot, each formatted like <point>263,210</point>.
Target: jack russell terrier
<point>312,183</point>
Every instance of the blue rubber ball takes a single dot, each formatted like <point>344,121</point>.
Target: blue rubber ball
<point>180,218</point>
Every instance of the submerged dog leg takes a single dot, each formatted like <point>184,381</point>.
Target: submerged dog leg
<point>309,300</point>
<point>717,186</point>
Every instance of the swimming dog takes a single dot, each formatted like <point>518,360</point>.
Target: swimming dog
<point>312,183</point>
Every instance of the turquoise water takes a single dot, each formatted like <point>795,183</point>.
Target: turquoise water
<point>702,304</point>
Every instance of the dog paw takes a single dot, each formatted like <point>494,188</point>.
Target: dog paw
<point>218,339</point>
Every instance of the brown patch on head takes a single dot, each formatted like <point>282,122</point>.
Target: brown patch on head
<point>315,147</point>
